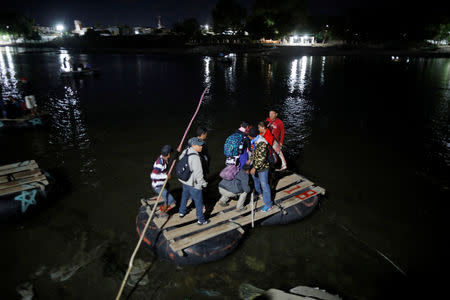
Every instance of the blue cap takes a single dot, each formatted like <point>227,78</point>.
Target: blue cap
<point>195,141</point>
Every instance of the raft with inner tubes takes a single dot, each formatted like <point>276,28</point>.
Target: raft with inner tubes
<point>182,241</point>
<point>84,72</point>
<point>27,121</point>
<point>24,189</point>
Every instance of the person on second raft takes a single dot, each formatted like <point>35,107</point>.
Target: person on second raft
<point>30,99</point>
<point>192,188</point>
<point>13,108</point>
<point>260,170</point>
<point>159,176</point>
<point>276,127</point>
<point>236,187</point>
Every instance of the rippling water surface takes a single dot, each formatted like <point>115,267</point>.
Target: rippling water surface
<point>373,132</point>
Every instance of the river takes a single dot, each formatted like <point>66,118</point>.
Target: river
<point>372,131</point>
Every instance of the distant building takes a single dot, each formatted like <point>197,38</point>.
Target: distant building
<point>47,33</point>
<point>79,30</point>
<point>303,40</point>
<point>143,30</point>
<point>206,29</point>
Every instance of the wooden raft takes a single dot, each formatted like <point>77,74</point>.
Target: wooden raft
<point>25,118</point>
<point>21,176</point>
<point>184,232</point>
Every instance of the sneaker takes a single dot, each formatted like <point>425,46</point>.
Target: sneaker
<point>203,223</point>
<point>266,208</point>
<point>223,204</point>
<point>181,215</point>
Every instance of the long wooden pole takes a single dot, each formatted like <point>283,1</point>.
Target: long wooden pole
<point>130,265</point>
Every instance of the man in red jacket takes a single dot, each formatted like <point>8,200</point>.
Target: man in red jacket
<point>276,127</point>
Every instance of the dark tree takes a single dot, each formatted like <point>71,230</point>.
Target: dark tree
<point>189,27</point>
<point>273,19</point>
<point>35,36</point>
<point>15,24</point>
<point>228,15</point>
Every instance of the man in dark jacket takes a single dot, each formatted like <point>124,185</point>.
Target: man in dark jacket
<point>236,187</point>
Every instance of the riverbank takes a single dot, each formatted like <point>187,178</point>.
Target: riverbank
<point>258,49</point>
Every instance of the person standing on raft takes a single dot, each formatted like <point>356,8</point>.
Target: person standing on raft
<point>276,127</point>
<point>260,170</point>
<point>192,187</point>
<point>159,175</point>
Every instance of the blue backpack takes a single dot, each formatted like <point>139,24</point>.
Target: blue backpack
<point>233,145</point>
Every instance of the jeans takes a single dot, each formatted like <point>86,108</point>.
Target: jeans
<point>168,198</point>
<point>197,196</point>
<point>262,181</point>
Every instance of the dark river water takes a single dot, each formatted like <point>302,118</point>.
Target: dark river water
<point>373,132</point>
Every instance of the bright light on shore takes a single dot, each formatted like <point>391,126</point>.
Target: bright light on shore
<point>59,27</point>
<point>207,27</point>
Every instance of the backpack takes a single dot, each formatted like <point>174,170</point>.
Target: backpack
<point>182,169</point>
<point>272,156</point>
<point>229,172</point>
<point>233,145</point>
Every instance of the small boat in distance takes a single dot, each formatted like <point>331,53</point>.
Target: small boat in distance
<point>80,73</point>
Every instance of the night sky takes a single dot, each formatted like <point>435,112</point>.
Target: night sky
<point>145,12</point>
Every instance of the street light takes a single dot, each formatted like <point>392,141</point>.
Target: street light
<point>60,27</point>
<point>206,27</point>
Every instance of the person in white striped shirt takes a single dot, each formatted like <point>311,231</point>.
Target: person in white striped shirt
<point>159,175</point>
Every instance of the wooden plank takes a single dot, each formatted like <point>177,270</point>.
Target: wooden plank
<point>25,187</point>
<point>285,204</point>
<point>175,220</point>
<point>25,174</point>
<point>3,179</point>
<point>16,165</point>
<point>22,181</point>
<point>19,169</point>
<point>219,218</point>
<point>162,221</point>
<point>202,236</point>
<point>214,231</point>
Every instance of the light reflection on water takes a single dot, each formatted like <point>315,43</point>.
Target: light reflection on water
<point>8,74</point>
<point>230,75</point>
<point>68,130</point>
<point>296,110</point>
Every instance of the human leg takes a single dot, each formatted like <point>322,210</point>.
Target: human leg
<point>184,198</point>
<point>240,203</point>
<point>264,179</point>
<point>225,196</point>
<point>197,197</point>
<point>257,184</point>
<point>277,149</point>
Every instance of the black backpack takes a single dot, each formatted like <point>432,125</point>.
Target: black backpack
<point>272,156</point>
<point>182,169</point>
